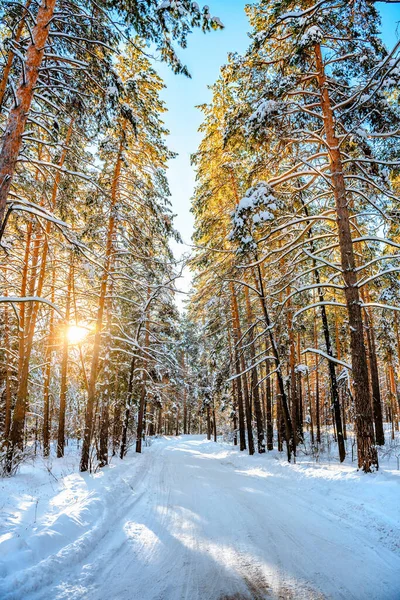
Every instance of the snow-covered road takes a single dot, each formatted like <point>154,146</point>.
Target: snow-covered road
<point>194,520</point>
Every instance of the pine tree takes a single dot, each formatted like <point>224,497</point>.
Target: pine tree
<point>316,107</point>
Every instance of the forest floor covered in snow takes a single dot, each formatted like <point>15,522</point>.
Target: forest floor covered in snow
<point>195,520</point>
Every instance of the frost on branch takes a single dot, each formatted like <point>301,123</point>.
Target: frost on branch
<point>256,208</point>
<point>312,36</point>
<point>182,9</point>
<point>266,111</point>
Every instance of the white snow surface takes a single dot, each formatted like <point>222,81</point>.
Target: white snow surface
<point>195,520</point>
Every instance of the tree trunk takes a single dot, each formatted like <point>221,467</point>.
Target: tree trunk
<point>142,403</point>
<point>208,414</point>
<point>236,338</point>
<point>299,392</point>
<point>214,422</point>
<point>28,322</point>
<point>104,426</point>
<point>21,324</point>
<point>292,378</point>
<point>116,428</point>
<point>159,425</point>
<point>234,395</point>
<point>329,350</point>
<point>127,415</point>
<point>87,435</point>
<point>374,371</point>
<point>151,427</point>
<point>289,434</point>
<point>367,453</point>
<point>254,378</point>
<point>393,390</point>
<point>177,423</point>
<point>47,377</point>
<point>64,367</point>
<point>317,403</point>
<point>270,424</point>
<point>10,56</point>
<point>106,395</point>
<point>7,414</point>
<point>234,416</point>
<point>18,115</point>
<point>247,406</point>
<point>140,423</point>
<point>185,431</point>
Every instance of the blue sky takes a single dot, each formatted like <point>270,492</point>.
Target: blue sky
<point>204,56</point>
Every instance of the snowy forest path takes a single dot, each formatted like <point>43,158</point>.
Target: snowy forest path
<point>195,520</point>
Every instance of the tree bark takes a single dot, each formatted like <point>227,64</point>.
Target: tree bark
<point>116,428</point>
<point>234,395</point>
<point>185,431</point>
<point>28,322</point>
<point>127,415</point>
<point>317,403</point>
<point>289,434</point>
<point>374,371</point>
<point>329,350</point>
<point>366,450</point>
<point>238,382</point>
<point>151,428</point>
<point>106,393</point>
<point>208,417</point>
<point>292,379</point>
<point>254,378</point>
<point>7,415</point>
<point>10,56</point>
<point>47,378</point>
<point>142,403</point>
<point>299,392</point>
<point>18,115</point>
<point>214,422</point>
<point>159,424</point>
<point>247,406</point>
<point>87,435</point>
<point>269,419</point>
<point>64,367</point>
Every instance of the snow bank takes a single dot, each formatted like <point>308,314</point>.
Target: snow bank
<point>51,516</point>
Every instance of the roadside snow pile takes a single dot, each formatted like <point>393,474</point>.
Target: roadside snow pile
<point>51,515</point>
<point>370,502</point>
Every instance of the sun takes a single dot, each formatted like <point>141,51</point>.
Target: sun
<point>76,334</point>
